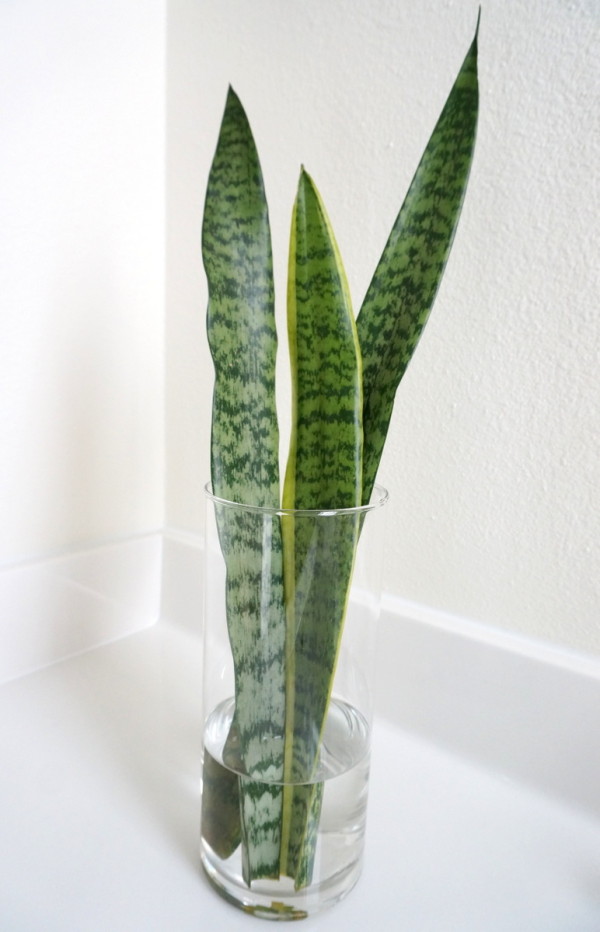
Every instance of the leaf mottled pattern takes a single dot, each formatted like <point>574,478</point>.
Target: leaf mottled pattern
<point>236,249</point>
<point>405,283</point>
<point>324,471</point>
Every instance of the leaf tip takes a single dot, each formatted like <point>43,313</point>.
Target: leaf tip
<point>305,179</point>
<point>232,97</point>
<point>305,183</point>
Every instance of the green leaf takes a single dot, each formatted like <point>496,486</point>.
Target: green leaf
<point>236,248</point>
<point>221,826</point>
<point>324,472</point>
<point>406,281</point>
<point>325,459</point>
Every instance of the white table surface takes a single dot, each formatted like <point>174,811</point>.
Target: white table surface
<point>99,812</point>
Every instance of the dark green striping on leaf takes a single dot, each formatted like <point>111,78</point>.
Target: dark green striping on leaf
<point>236,248</point>
<point>325,461</point>
<point>406,281</point>
<point>324,471</point>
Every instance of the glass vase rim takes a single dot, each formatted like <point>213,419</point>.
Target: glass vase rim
<point>379,497</point>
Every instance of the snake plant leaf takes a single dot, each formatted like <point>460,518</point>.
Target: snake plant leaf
<point>236,249</point>
<point>405,283</point>
<point>324,471</point>
<point>221,824</point>
<point>325,459</point>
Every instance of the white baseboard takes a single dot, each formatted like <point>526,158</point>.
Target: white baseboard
<point>525,708</point>
<point>55,608</point>
<point>528,710</point>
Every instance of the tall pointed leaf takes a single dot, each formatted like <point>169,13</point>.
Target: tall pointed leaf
<point>236,247</point>
<point>406,281</point>
<point>324,472</point>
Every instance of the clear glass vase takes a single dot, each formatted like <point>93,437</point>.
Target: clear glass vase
<point>291,604</point>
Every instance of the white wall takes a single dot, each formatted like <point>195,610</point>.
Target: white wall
<point>493,456</point>
<point>81,271</point>
<point>492,461</point>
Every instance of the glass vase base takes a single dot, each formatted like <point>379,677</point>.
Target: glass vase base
<point>277,899</point>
